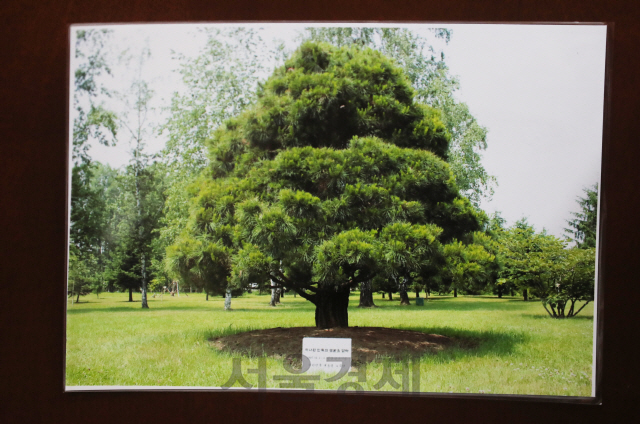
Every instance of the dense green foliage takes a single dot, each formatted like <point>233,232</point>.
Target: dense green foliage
<point>335,176</point>
<point>468,266</point>
<point>429,76</point>
<point>323,97</point>
<point>573,282</point>
<point>139,211</point>
<point>541,263</point>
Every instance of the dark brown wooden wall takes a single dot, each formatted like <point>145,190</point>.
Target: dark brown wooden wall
<point>33,184</point>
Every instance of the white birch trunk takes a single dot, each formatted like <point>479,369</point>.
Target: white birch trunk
<point>227,300</point>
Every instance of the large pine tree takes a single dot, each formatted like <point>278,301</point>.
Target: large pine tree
<point>335,176</point>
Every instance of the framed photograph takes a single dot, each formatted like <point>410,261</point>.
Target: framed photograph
<point>345,208</point>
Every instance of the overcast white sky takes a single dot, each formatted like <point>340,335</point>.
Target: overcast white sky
<point>539,90</point>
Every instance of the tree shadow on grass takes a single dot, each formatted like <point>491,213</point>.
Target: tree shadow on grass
<point>477,343</point>
<point>455,345</point>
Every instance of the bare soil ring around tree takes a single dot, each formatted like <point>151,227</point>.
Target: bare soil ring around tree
<point>367,343</point>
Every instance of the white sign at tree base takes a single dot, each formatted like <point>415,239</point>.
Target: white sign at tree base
<point>327,354</point>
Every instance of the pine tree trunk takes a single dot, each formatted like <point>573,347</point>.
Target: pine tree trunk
<point>455,292</point>
<point>278,290</point>
<point>227,300</point>
<point>332,309</point>
<point>383,295</point>
<point>525,294</point>
<point>390,296</point>
<point>366,295</point>
<point>130,294</point>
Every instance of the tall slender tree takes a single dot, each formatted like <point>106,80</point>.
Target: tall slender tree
<point>139,209</point>
<point>135,121</point>
<point>91,123</point>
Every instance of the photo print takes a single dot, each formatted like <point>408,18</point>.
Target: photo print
<point>406,208</point>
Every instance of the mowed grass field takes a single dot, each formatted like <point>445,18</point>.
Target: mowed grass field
<point>113,342</point>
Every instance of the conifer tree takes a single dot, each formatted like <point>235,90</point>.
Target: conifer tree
<point>584,223</point>
<point>335,176</point>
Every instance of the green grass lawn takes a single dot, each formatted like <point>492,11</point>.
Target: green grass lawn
<point>113,342</point>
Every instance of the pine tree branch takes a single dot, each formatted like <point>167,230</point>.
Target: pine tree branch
<point>310,297</point>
